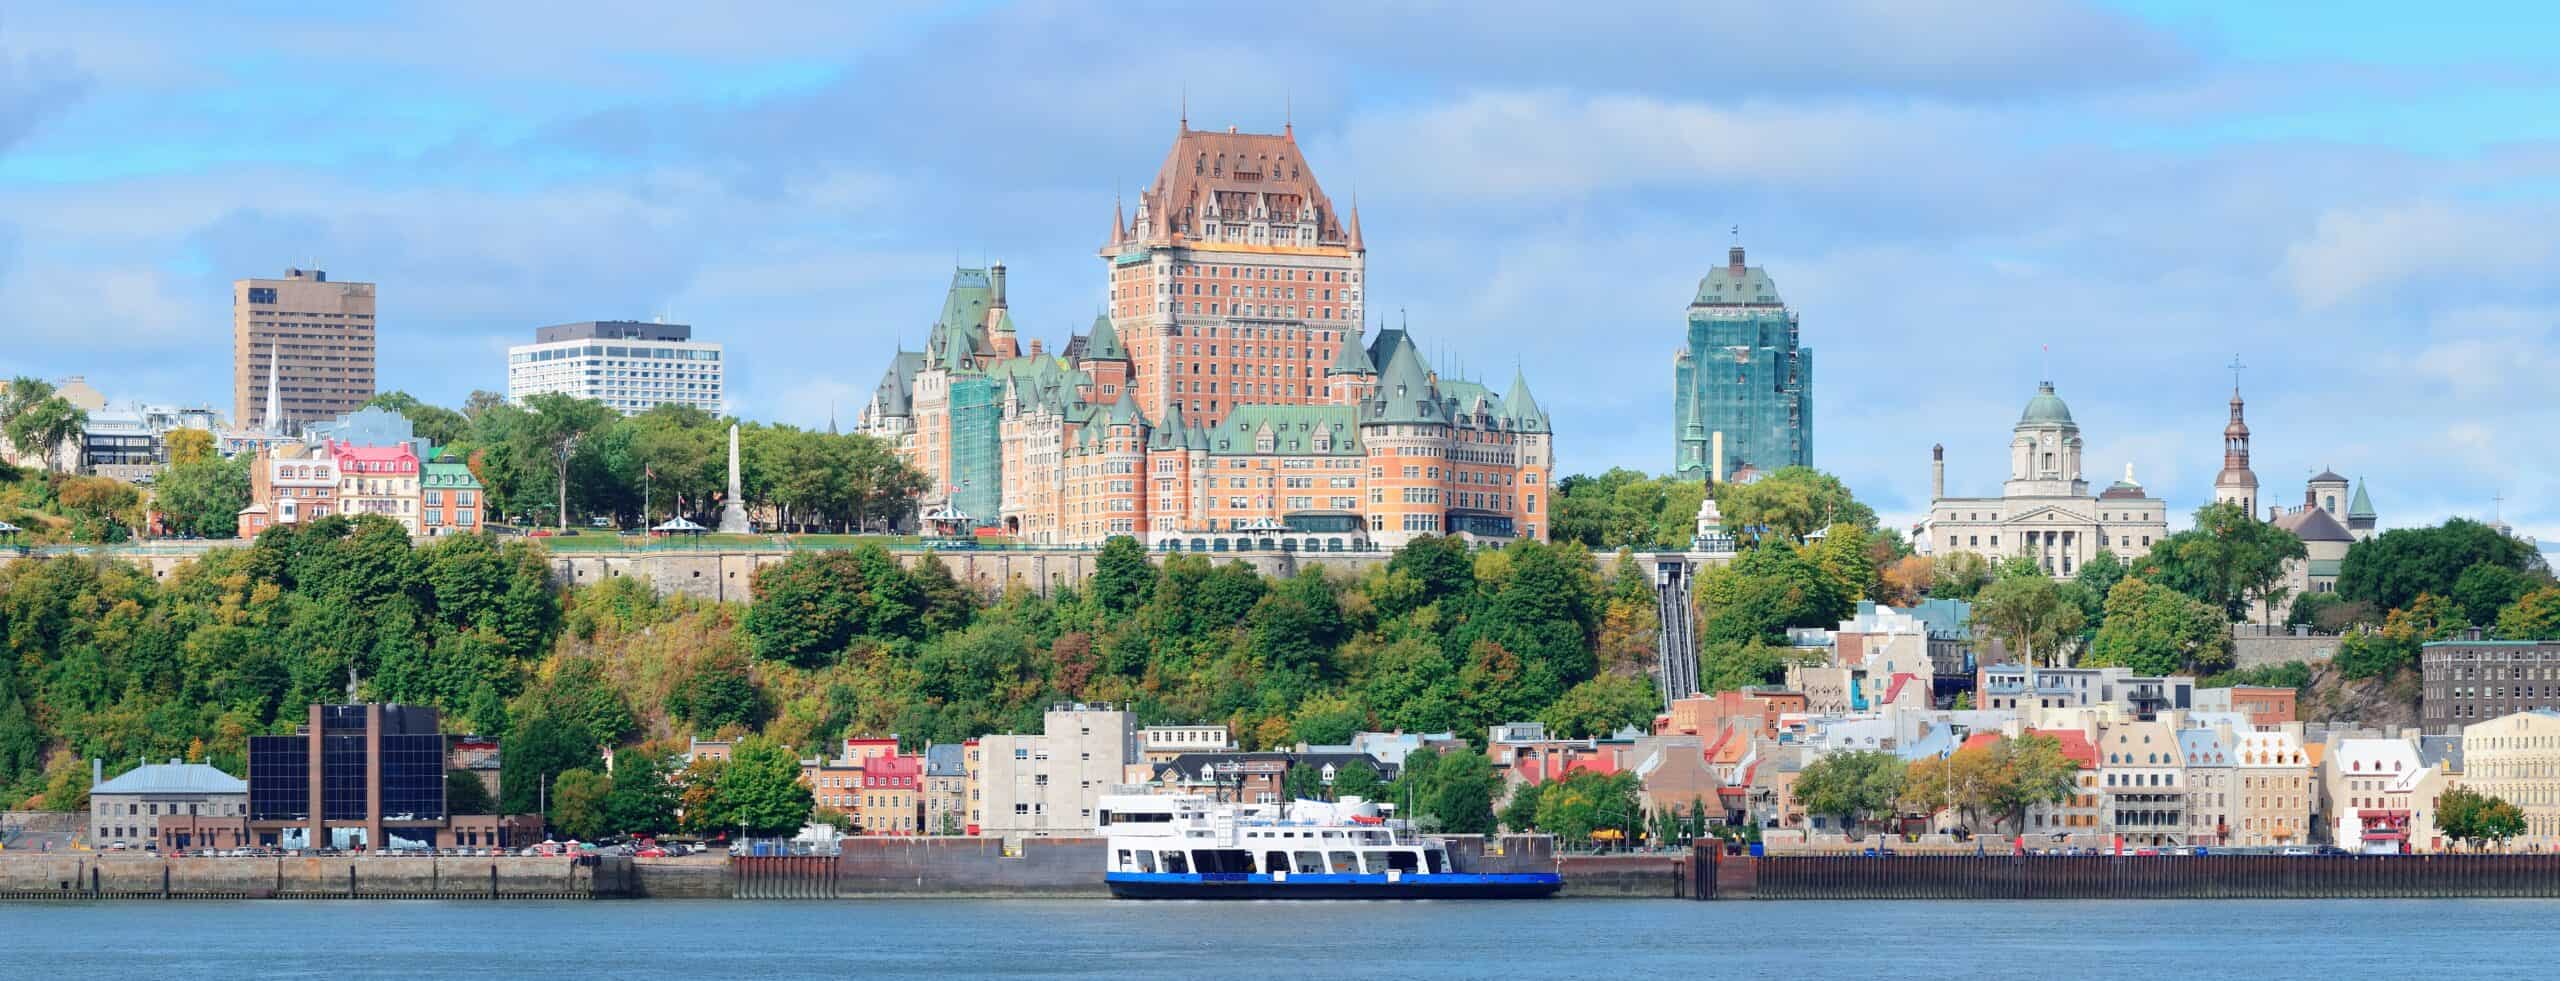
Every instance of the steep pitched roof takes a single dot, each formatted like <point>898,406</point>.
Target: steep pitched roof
<point>1296,430</point>
<point>1233,173</point>
<point>1405,390</point>
<point>1524,409</point>
<point>1353,359</point>
<point>1103,344</point>
<point>2361,506</point>
<point>1737,285</point>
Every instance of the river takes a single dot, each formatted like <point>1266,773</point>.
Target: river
<point>1543,941</point>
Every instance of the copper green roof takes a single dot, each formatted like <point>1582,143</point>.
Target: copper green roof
<point>1296,430</point>
<point>1523,407</point>
<point>2046,409</point>
<point>1736,285</point>
<point>1104,343</point>
<point>2361,506</point>
<point>1405,391</point>
<point>439,473</point>
<point>1352,359</point>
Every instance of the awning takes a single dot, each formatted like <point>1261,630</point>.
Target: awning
<point>679,524</point>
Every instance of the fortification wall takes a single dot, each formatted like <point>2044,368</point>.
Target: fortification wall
<point>84,876</point>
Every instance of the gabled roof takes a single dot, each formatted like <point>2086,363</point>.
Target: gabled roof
<point>1293,430</point>
<point>172,777</point>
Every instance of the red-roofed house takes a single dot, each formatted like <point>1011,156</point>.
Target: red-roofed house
<point>379,480</point>
<point>2078,814</point>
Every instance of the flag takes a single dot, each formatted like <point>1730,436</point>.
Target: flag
<point>646,472</point>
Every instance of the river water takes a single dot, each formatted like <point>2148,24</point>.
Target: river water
<point>1542,941</point>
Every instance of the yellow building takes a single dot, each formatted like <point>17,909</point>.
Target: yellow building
<point>2516,758</point>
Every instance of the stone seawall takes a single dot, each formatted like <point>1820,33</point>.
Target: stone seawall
<point>2136,877</point>
<point>112,876</point>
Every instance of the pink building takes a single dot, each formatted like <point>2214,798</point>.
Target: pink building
<point>379,480</point>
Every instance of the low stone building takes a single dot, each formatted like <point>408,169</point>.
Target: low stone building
<point>203,807</point>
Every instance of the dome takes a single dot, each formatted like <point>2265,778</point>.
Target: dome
<point>2046,409</point>
<point>2328,477</point>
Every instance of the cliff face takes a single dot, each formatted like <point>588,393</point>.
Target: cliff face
<point>2377,702</point>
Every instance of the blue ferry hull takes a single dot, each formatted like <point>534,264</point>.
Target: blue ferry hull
<point>1213,885</point>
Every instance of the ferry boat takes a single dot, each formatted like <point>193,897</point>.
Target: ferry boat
<point>1187,846</point>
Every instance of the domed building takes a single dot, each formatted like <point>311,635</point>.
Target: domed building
<point>2045,513</point>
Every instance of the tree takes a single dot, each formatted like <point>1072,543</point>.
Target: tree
<point>2392,569</point>
<point>1464,786</point>
<point>807,608</point>
<point>1355,780</point>
<point>2026,772</point>
<point>39,422</point>
<point>2230,559</point>
<point>717,691</point>
<point>2031,614</point>
<point>1851,785</point>
<point>1791,502</point>
<point>2101,573</point>
<point>1578,807</point>
<point>464,793</point>
<point>1733,665</point>
<point>1959,576</point>
<point>559,422</point>
<point>1601,706</point>
<point>577,801</point>
<point>2485,589</point>
<point>190,446</point>
<point>1327,720</point>
<point>534,754</point>
<point>203,497</point>
<point>1766,590</point>
<point>433,423</point>
<point>2157,631</point>
<point>1122,576</point>
<point>2466,815</point>
<point>1303,782</point>
<point>645,795</point>
<point>759,792</point>
<point>1909,579</point>
<point>2533,616</point>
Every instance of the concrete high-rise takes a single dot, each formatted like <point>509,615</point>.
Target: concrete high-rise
<point>312,337</point>
<point>628,365</point>
<point>1743,374</point>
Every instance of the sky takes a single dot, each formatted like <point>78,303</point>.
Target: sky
<point>2360,202</point>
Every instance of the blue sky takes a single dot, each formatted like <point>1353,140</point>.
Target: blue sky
<point>2361,200</point>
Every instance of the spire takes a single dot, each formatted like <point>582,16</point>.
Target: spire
<point>1354,230</point>
<point>1103,344</point>
<point>275,398</point>
<point>831,418</point>
<point>1523,407</point>
<point>1119,221</point>
<point>1353,359</point>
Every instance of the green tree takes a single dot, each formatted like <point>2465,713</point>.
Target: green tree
<point>759,792</point>
<point>1464,787</point>
<point>1303,782</point>
<point>2467,816</point>
<point>1851,785</point>
<point>558,423</point>
<point>204,497</point>
<point>1959,575</point>
<point>465,794</point>
<point>2030,614</point>
<point>1766,590</point>
<point>2485,589</point>
<point>719,690</point>
<point>2156,631</point>
<point>2393,569</point>
<point>2026,772</point>
<point>1122,576</point>
<point>1791,502</point>
<point>807,609</point>
<point>190,446</point>
<point>2533,616</point>
<point>44,426</point>
<point>534,755</point>
<point>1327,720</point>
<point>645,794</point>
<point>1355,780</point>
<point>578,803</point>
<point>1601,706</point>
<point>434,423</point>
<point>2230,559</point>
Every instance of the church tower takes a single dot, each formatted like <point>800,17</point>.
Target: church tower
<point>2237,484</point>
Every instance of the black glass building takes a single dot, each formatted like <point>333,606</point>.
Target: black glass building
<point>369,776</point>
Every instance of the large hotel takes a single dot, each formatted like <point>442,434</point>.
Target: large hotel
<point>1228,401</point>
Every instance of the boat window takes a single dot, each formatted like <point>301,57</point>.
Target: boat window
<point>1343,862</point>
<point>1439,861</point>
<point>1222,860</point>
<point>1124,860</point>
<point>1146,861</point>
<point>1176,864</point>
<point>1310,862</point>
<point>1275,862</point>
<point>1402,860</point>
<point>1374,863</point>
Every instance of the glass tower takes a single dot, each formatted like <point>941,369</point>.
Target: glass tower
<point>1743,376</point>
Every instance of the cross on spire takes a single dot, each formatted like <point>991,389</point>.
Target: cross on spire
<point>2235,373</point>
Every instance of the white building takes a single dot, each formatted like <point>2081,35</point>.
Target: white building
<point>1047,785</point>
<point>2045,513</point>
<point>630,366</point>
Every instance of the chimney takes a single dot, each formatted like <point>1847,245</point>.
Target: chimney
<point>2309,499</point>
<point>995,277</point>
<point>1733,259</point>
<point>1037,347</point>
<point>1938,472</point>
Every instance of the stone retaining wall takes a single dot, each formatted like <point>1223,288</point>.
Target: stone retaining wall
<point>86,876</point>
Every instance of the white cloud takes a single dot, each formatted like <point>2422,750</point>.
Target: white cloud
<point>2356,252</point>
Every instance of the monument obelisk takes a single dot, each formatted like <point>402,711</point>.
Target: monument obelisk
<point>733,509</point>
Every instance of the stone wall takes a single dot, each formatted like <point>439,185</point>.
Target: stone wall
<point>24,876</point>
<point>2250,648</point>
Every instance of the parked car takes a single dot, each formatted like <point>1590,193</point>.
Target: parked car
<point>2297,850</point>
